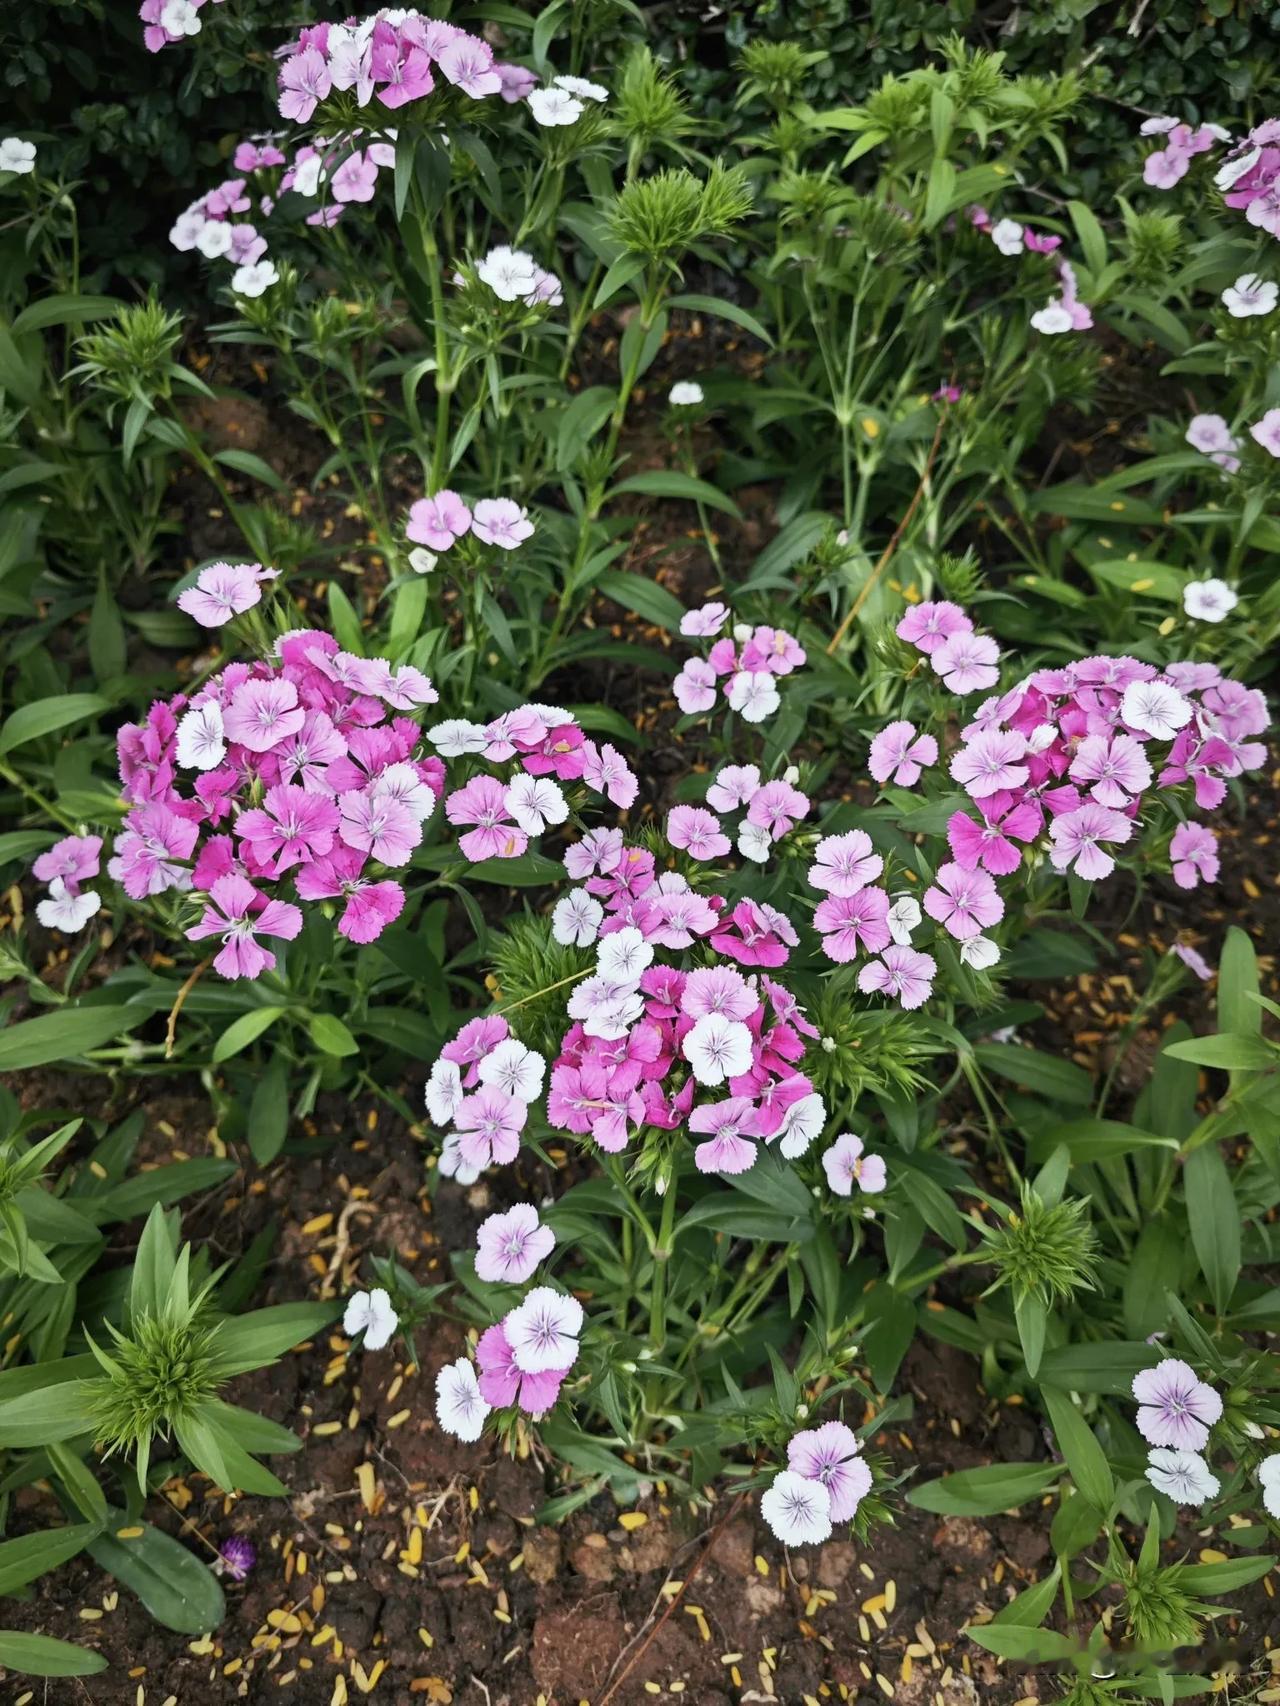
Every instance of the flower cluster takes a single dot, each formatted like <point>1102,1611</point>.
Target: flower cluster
<point>393,56</point>
<point>167,21</point>
<point>304,771</point>
<point>437,523</point>
<point>1177,1409</point>
<point>514,276</point>
<point>66,867</point>
<point>748,662</point>
<point>1062,313</point>
<point>825,1481</point>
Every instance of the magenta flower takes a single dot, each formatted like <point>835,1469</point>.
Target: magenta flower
<point>489,1124</point>
<point>853,924</point>
<point>928,626</point>
<point>262,713</point>
<point>1077,839</point>
<point>964,902</point>
<point>1177,1408</point>
<point>967,663</point>
<point>502,1383</point>
<point>902,973</point>
<point>501,522</point>
<point>222,591</point>
<point>239,914</point>
<point>151,851</point>
<point>483,803</point>
<point>990,763</point>
<point>438,521</point>
<point>76,859</point>
<point>899,754</point>
<point>399,65</point>
<point>1116,766</point>
<point>843,864</point>
<point>291,827</point>
<point>378,824</point>
<point>695,686</point>
<point>726,1125</point>
<point>697,832</point>
<point>304,83</point>
<point>829,1454</point>
<point>991,842</point>
<point>370,906</point>
<point>510,1246</point>
<point>846,1165</point>
<point>1194,851</point>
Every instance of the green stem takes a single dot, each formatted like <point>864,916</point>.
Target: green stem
<point>661,1256</point>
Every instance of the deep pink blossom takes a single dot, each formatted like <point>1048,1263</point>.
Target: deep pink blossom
<point>238,913</point>
<point>853,923</point>
<point>964,902</point>
<point>502,1383</point>
<point>292,826</point>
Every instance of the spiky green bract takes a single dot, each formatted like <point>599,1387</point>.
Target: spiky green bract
<point>959,578</point>
<point>534,974</point>
<point>775,69</point>
<point>1156,243</point>
<point>663,216</point>
<point>648,106</point>
<point>1048,1251</point>
<point>132,355</point>
<point>1159,1611</point>
<point>858,1052</point>
<point>155,1378</point>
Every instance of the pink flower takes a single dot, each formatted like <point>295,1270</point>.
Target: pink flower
<point>735,785</point>
<point>853,923</point>
<point>772,649</point>
<point>438,521</point>
<point>489,1124</point>
<point>231,914</point>
<point>607,771</point>
<point>843,864</point>
<point>378,824</point>
<point>718,989</point>
<point>355,179</point>
<point>263,713</point>
<point>304,83</point>
<point>777,807</point>
<point>697,831</point>
<point>1177,1407</point>
<point>695,686</point>
<point>150,851</point>
<point>753,935</point>
<point>76,858</point>
<point>966,663</point>
<point>927,626</point>
<point>707,620</point>
<point>899,754</point>
<point>291,827</point>
<point>964,902</point>
<point>846,1166</point>
<point>1116,766</point>
<point>1266,432</point>
<point>500,522</point>
<point>400,65</point>
<point>222,591</point>
<point>370,907</point>
<point>1210,435</point>
<point>902,973</point>
<point>991,763</point>
<point>829,1455</point>
<point>989,843</point>
<point>502,1383</point>
<point>510,1246</point>
<point>1077,839</point>
<point>1194,851</point>
<point>467,62</point>
<point>483,803</point>
<point>726,1124</point>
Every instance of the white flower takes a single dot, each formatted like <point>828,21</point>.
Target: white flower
<point>797,1510</point>
<point>1183,1475</point>
<point>214,240</point>
<point>200,744</point>
<point>1250,295</point>
<point>510,274</point>
<point>185,231</point>
<point>555,106</point>
<point>685,394</point>
<point>534,802</point>
<point>456,737</point>
<point>1006,234</point>
<point>1269,1481</point>
<point>180,18</point>
<point>370,1312</point>
<point>1208,601</point>
<point>444,1091</point>
<point>452,1165</point>
<point>17,156</point>
<point>717,1048</point>
<point>802,1122</point>
<point>1157,126</point>
<point>255,278</point>
<point>307,175</point>
<point>624,955</point>
<point>460,1409</point>
<point>1155,708</point>
<point>576,919</point>
<point>422,561</point>
<point>980,953</point>
<point>754,694</point>
<point>754,842</point>
<point>1227,175</point>
<point>401,782</point>
<point>543,1331</point>
<point>515,1069</point>
<point>1051,319</point>
<point>66,911</point>
<point>902,918</point>
<point>580,87</point>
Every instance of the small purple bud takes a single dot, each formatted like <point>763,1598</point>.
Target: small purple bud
<point>238,1557</point>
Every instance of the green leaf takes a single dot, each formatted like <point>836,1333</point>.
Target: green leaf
<point>63,1035</point>
<point>1086,1459</point>
<point>1154,580</point>
<point>1214,1219</point>
<point>245,462</point>
<point>41,1655</point>
<point>1093,242</point>
<point>723,310</point>
<point>1032,1315</point>
<point>1096,1140</point>
<point>1233,1053</point>
<point>1108,1365</point>
<point>1226,1577</point>
<point>1029,1645</point>
<point>940,192</point>
<point>1029,1609</point>
<point>645,597</point>
<point>162,1185</point>
<point>1046,1074</point>
<point>1095,503</point>
<point>22,1560</point>
<point>64,311</point>
<point>178,1590</point>
<point>242,1031</point>
<point>671,483</point>
<point>46,716</point>
<point>269,1112</point>
<point>985,1492</point>
<point>264,1335</point>
<point>47,1415</point>
<point>331,1036</point>
<point>1152,1271</point>
<point>580,423</point>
